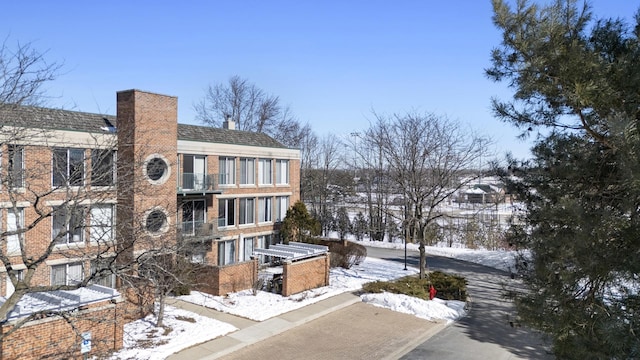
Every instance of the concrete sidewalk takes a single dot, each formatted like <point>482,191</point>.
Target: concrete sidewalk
<point>250,331</point>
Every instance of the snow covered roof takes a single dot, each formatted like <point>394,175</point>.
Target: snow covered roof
<point>292,251</point>
<point>60,300</point>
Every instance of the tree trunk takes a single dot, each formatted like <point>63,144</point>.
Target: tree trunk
<point>160,321</point>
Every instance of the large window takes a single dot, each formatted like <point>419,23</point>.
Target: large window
<point>101,222</point>
<point>226,212</point>
<point>66,274</point>
<point>264,209</point>
<point>265,172</point>
<point>68,225</point>
<point>101,272</point>
<point>193,216</point>
<point>226,252</point>
<point>282,204</point>
<point>282,172</point>
<point>247,171</point>
<point>247,248</point>
<point>15,222</point>
<point>247,211</point>
<point>68,167</point>
<point>194,173</point>
<point>227,171</point>
<point>102,167</point>
<point>15,169</point>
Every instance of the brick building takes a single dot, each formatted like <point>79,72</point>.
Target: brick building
<point>85,193</point>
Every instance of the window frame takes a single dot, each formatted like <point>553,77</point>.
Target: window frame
<point>265,209</point>
<point>105,235</point>
<point>226,212</point>
<point>13,241</point>
<point>226,252</point>
<point>227,169</point>
<point>70,227</point>
<point>282,165</point>
<point>244,255</point>
<point>265,173</point>
<point>281,212</point>
<point>15,175</point>
<point>70,176</point>
<point>247,211</point>
<point>66,274</point>
<point>99,165</point>
<point>247,171</point>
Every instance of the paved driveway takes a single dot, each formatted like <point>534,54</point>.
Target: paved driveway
<point>359,331</point>
<point>486,332</point>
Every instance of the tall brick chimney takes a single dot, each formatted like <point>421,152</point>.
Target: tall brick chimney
<point>147,128</point>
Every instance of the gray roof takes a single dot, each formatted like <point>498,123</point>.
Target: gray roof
<point>56,119</point>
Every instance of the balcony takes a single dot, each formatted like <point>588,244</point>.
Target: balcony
<point>189,183</point>
<point>197,232</point>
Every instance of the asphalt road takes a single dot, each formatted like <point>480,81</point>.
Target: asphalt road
<point>486,332</point>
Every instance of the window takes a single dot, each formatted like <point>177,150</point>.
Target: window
<point>68,225</point>
<point>263,243</point>
<point>68,167</point>
<point>101,222</point>
<point>264,209</point>
<point>264,172</point>
<point>16,166</point>
<point>10,289</point>
<point>247,245</point>
<point>282,172</point>
<point>282,204</point>
<point>193,216</point>
<point>247,211</point>
<point>15,221</point>
<point>156,169</point>
<point>247,172</point>
<point>102,274</point>
<point>198,257</point>
<point>66,274</point>
<point>227,171</point>
<point>226,252</point>
<point>194,174</point>
<point>156,221</point>
<point>102,167</point>
<point>226,212</point>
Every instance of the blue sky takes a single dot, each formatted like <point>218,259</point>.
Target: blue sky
<point>332,62</point>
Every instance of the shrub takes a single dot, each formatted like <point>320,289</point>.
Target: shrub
<point>449,287</point>
<point>182,289</point>
<point>346,254</point>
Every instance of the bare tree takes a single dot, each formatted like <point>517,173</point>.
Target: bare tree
<point>426,156</point>
<point>371,171</point>
<point>318,182</point>
<point>252,109</point>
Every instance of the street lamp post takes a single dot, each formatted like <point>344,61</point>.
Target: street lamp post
<point>406,233</point>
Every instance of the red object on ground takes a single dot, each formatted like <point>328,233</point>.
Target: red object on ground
<point>432,292</point>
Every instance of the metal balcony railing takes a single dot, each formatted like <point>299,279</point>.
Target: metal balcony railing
<point>189,182</point>
<point>196,229</point>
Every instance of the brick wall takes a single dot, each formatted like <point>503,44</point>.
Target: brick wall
<point>55,338</point>
<point>221,280</point>
<point>305,274</point>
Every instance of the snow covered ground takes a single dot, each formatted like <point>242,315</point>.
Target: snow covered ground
<point>183,329</point>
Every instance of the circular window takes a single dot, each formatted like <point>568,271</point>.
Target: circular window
<point>156,169</point>
<point>156,221</point>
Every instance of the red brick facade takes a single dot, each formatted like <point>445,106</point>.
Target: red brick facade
<point>55,338</point>
<point>305,274</point>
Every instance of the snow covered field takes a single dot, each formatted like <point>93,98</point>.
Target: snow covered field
<point>183,329</point>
